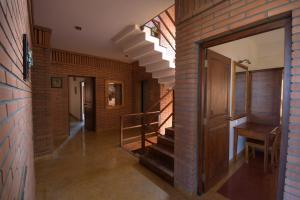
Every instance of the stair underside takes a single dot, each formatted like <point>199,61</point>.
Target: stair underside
<point>141,46</point>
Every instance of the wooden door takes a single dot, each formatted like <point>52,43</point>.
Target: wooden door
<point>216,122</point>
<point>89,104</point>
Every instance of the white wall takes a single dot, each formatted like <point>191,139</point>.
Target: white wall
<point>241,140</point>
<point>74,99</point>
<point>264,51</point>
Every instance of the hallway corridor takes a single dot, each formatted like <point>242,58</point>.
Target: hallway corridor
<point>92,166</point>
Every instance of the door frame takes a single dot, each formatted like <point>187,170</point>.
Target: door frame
<point>281,21</point>
<point>81,101</point>
<point>94,92</point>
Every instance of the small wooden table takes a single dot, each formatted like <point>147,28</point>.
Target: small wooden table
<point>254,131</point>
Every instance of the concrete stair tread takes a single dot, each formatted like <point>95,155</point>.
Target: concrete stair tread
<point>170,128</point>
<point>170,132</point>
<point>168,138</point>
<point>158,166</point>
<point>163,150</point>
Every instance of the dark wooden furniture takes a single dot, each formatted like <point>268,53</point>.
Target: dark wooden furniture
<point>265,96</point>
<point>89,103</point>
<point>274,141</point>
<point>240,91</point>
<point>255,131</point>
<point>216,128</point>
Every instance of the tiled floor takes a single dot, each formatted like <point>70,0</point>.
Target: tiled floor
<point>92,166</point>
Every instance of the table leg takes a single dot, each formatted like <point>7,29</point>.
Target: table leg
<point>266,152</point>
<point>235,144</point>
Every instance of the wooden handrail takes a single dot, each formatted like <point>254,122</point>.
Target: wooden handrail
<point>138,126</point>
<point>161,32</point>
<point>138,137</point>
<point>167,27</point>
<point>143,124</point>
<point>160,14</point>
<point>141,114</point>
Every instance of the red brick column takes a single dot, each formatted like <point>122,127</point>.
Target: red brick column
<point>196,22</point>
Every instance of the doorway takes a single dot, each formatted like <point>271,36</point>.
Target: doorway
<point>81,104</point>
<point>258,92</point>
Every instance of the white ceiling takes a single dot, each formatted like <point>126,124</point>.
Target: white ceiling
<point>264,50</point>
<point>100,21</point>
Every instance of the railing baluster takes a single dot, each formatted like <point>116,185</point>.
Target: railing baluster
<point>121,131</point>
<point>168,29</point>
<point>171,18</point>
<point>163,34</point>
<point>143,137</point>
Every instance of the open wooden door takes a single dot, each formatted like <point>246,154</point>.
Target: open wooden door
<point>89,104</point>
<point>216,122</point>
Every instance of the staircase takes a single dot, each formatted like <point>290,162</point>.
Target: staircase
<point>155,150</point>
<point>159,157</point>
<point>153,45</point>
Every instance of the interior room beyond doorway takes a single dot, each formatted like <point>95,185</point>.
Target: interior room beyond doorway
<point>81,104</point>
<point>252,99</point>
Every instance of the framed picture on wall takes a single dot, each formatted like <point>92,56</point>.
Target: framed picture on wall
<point>56,82</point>
<point>114,94</point>
<point>27,58</point>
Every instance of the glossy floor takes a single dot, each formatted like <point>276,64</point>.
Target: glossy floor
<point>92,166</point>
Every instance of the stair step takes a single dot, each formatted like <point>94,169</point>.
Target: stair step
<point>170,132</point>
<point>157,66</point>
<point>141,51</point>
<point>169,79</point>
<point>126,32</point>
<point>164,73</point>
<point>165,140</point>
<point>169,85</point>
<point>141,46</point>
<point>158,166</point>
<point>133,42</point>
<point>150,58</point>
<point>162,150</point>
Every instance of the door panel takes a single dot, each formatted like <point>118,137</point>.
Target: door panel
<point>89,104</point>
<point>216,130</point>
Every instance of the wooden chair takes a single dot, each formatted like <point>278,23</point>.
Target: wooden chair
<point>273,149</point>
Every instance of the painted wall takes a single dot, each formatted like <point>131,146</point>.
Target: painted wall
<point>74,97</point>
<point>241,140</point>
<point>17,179</point>
<point>264,51</point>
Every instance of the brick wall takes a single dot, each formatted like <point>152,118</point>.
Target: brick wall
<point>16,147</point>
<point>153,88</point>
<point>168,110</point>
<point>50,113</point>
<point>196,21</point>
